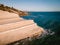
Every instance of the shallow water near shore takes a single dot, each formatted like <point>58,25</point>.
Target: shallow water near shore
<point>47,20</point>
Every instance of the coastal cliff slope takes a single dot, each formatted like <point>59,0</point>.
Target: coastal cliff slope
<point>14,28</point>
<point>13,10</point>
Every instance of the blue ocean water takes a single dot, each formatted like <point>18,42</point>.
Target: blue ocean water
<point>47,20</point>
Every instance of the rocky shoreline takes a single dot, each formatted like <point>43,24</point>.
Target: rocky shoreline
<point>14,28</point>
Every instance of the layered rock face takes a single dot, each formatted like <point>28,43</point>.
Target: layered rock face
<point>14,28</point>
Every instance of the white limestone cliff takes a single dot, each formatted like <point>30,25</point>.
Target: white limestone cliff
<point>13,28</point>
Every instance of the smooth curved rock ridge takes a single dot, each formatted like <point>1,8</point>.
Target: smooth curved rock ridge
<point>14,28</point>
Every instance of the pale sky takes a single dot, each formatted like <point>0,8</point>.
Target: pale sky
<point>33,5</point>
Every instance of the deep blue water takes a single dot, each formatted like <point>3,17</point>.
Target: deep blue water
<point>47,20</point>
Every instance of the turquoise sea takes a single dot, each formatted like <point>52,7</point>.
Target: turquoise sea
<point>47,20</point>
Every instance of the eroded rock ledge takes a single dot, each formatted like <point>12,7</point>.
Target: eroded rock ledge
<point>28,40</point>
<point>14,28</point>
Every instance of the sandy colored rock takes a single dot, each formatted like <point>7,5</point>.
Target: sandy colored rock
<point>14,28</point>
<point>11,20</point>
<point>15,25</point>
<point>6,15</point>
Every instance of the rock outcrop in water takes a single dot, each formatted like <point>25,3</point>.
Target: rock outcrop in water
<point>14,28</point>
